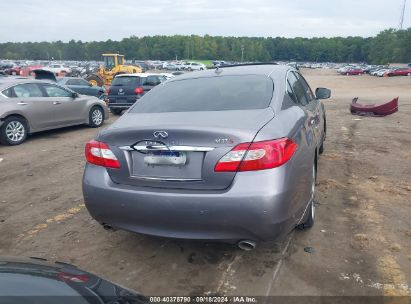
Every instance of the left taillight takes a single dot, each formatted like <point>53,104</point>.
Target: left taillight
<point>259,155</point>
<point>99,154</point>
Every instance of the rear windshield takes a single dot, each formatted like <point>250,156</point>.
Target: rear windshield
<point>125,81</point>
<point>222,93</point>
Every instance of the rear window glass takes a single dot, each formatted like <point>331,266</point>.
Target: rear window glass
<point>151,80</point>
<point>222,93</point>
<point>125,81</point>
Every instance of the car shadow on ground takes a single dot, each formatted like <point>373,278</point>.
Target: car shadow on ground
<point>55,133</point>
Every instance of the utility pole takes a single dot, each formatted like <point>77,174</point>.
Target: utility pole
<point>400,24</point>
<point>242,53</point>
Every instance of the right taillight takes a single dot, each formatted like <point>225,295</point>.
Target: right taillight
<point>99,154</point>
<point>259,155</point>
<point>139,90</point>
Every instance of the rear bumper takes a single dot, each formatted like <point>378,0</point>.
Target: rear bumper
<point>122,103</point>
<point>252,208</point>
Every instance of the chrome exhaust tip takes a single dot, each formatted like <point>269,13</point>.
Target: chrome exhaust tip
<point>246,245</point>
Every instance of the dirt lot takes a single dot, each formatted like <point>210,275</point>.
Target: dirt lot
<point>360,244</point>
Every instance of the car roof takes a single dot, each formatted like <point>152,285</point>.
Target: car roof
<point>139,75</point>
<point>6,82</point>
<point>246,69</point>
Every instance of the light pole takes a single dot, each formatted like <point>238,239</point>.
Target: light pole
<point>242,53</point>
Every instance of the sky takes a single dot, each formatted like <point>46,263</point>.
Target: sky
<point>92,20</point>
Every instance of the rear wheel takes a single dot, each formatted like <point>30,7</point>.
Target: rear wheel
<point>116,111</point>
<point>14,131</point>
<point>310,216</point>
<point>95,80</point>
<point>96,117</point>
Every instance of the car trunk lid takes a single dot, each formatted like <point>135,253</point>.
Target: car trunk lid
<point>179,151</point>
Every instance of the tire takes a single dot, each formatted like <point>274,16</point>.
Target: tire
<point>116,111</point>
<point>95,80</point>
<point>310,216</point>
<point>13,131</point>
<point>96,117</point>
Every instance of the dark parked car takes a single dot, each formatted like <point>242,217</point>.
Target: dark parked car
<point>126,89</point>
<point>228,154</point>
<point>36,280</point>
<point>81,86</point>
<point>143,65</point>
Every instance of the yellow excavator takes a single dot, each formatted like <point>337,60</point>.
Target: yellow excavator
<point>113,65</point>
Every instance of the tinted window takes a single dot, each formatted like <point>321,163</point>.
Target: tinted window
<point>290,92</point>
<point>208,94</point>
<point>55,91</point>
<point>27,90</point>
<point>79,82</point>
<point>72,82</point>
<point>306,87</point>
<point>125,81</point>
<point>297,89</point>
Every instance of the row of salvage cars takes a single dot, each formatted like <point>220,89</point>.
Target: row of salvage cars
<point>229,154</point>
<point>375,71</point>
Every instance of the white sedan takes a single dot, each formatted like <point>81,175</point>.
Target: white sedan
<point>58,69</point>
<point>195,66</point>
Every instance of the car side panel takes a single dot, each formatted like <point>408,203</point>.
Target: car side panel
<point>292,123</point>
<point>37,110</point>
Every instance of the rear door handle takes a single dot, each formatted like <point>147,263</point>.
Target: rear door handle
<point>22,103</point>
<point>56,102</point>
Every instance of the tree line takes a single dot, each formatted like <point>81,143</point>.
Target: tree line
<point>389,46</point>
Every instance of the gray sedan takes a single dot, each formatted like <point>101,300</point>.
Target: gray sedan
<point>228,154</point>
<point>28,106</point>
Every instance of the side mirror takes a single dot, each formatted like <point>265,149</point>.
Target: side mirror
<point>74,95</point>
<point>322,93</point>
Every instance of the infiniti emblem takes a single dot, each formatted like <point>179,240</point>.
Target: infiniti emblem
<point>160,134</point>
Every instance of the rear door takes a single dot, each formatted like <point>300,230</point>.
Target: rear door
<point>314,107</point>
<point>35,106</point>
<point>306,141</point>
